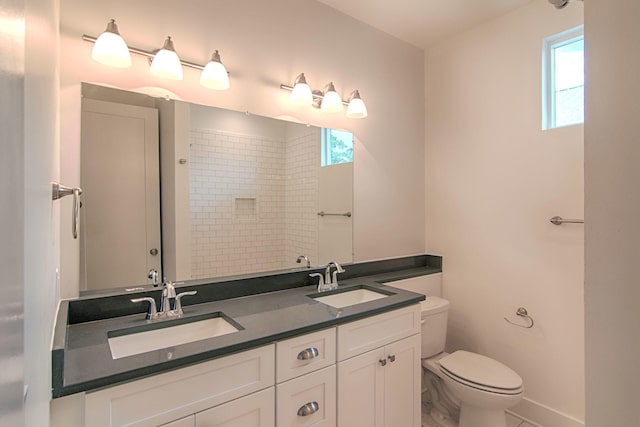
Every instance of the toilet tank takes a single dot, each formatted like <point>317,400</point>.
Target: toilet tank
<point>434,314</point>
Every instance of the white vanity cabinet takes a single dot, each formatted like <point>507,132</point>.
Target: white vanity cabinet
<point>170,397</point>
<point>362,373</point>
<point>379,370</point>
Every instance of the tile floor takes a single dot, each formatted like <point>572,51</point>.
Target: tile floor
<point>512,421</point>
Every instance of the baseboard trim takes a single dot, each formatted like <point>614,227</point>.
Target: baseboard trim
<point>538,414</point>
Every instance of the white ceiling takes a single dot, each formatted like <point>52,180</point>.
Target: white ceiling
<point>423,22</point>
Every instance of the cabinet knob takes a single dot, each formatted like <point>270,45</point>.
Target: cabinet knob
<point>392,358</point>
<point>383,362</point>
<point>308,409</point>
<point>309,353</point>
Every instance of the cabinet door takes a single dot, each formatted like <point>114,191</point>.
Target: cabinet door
<point>309,400</point>
<point>361,390</point>
<point>255,410</point>
<point>402,383</point>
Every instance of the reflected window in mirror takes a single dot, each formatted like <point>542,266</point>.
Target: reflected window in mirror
<point>337,147</point>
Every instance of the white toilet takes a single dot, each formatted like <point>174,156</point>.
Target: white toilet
<point>481,387</point>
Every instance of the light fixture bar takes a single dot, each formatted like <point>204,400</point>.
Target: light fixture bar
<point>315,95</point>
<point>146,53</point>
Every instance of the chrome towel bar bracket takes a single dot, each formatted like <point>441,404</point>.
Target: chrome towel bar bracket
<point>59,191</point>
<point>558,220</point>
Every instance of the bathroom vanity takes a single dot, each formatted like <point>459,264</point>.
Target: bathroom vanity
<point>292,360</point>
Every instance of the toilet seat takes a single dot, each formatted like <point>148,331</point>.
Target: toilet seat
<point>481,372</point>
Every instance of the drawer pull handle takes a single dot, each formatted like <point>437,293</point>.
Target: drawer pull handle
<point>308,409</point>
<point>392,358</point>
<point>383,362</point>
<point>309,353</point>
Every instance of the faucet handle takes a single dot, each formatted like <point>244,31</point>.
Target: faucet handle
<point>321,283</point>
<point>177,307</point>
<point>334,282</point>
<point>153,311</point>
<point>170,288</point>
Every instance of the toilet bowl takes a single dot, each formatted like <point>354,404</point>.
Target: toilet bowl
<point>483,387</point>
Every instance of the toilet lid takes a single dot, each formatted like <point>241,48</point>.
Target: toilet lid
<point>481,370</point>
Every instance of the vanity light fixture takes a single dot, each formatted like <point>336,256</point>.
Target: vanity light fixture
<point>111,49</point>
<point>301,92</point>
<point>331,101</point>
<point>166,63</point>
<point>214,75</point>
<point>327,101</point>
<point>356,108</point>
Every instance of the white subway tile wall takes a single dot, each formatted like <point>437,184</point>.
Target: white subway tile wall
<point>242,189</point>
<point>302,163</point>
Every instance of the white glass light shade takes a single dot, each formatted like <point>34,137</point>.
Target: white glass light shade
<point>110,48</point>
<point>301,93</point>
<point>166,63</point>
<point>214,75</point>
<point>356,108</point>
<point>331,101</point>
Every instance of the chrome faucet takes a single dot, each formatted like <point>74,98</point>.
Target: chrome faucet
<point>168,293</point>
<point>331,281</point>
<point>304,257</point>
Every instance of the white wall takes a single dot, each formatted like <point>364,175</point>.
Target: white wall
<point>264,44</point>
<point>612,205</point>
<point>494,180</point>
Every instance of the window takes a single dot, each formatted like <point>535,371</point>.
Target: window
<point>337,147</point>
<point>563,71</point>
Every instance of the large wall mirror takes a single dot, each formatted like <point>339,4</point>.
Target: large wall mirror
<point>197,192</point>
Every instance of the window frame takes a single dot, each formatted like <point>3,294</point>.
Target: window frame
<point>548,73</point>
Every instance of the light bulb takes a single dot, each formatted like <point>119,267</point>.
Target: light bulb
<point>301,93</point>
<point>110,48</point>
<point>331,101</point>
<point>356,108</point>
<point>214,75</point>
<point>166,63</point>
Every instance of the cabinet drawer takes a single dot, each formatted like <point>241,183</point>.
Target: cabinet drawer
<point>313,394</point>
<point>364,335</point>
<point>165,397</point>
<point>301,355</point>
<point>255,410</point>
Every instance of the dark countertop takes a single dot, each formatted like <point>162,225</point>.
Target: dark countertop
<point>82,360</point>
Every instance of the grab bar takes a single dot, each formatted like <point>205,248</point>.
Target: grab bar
<point>59,191</point>
<point>558,220</point>
<point>323,213</point>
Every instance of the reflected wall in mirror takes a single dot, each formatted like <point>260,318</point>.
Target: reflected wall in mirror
<point>239,194</point>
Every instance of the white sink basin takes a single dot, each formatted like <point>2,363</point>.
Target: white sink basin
<point>345,299</point>
<point>162,337</point>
